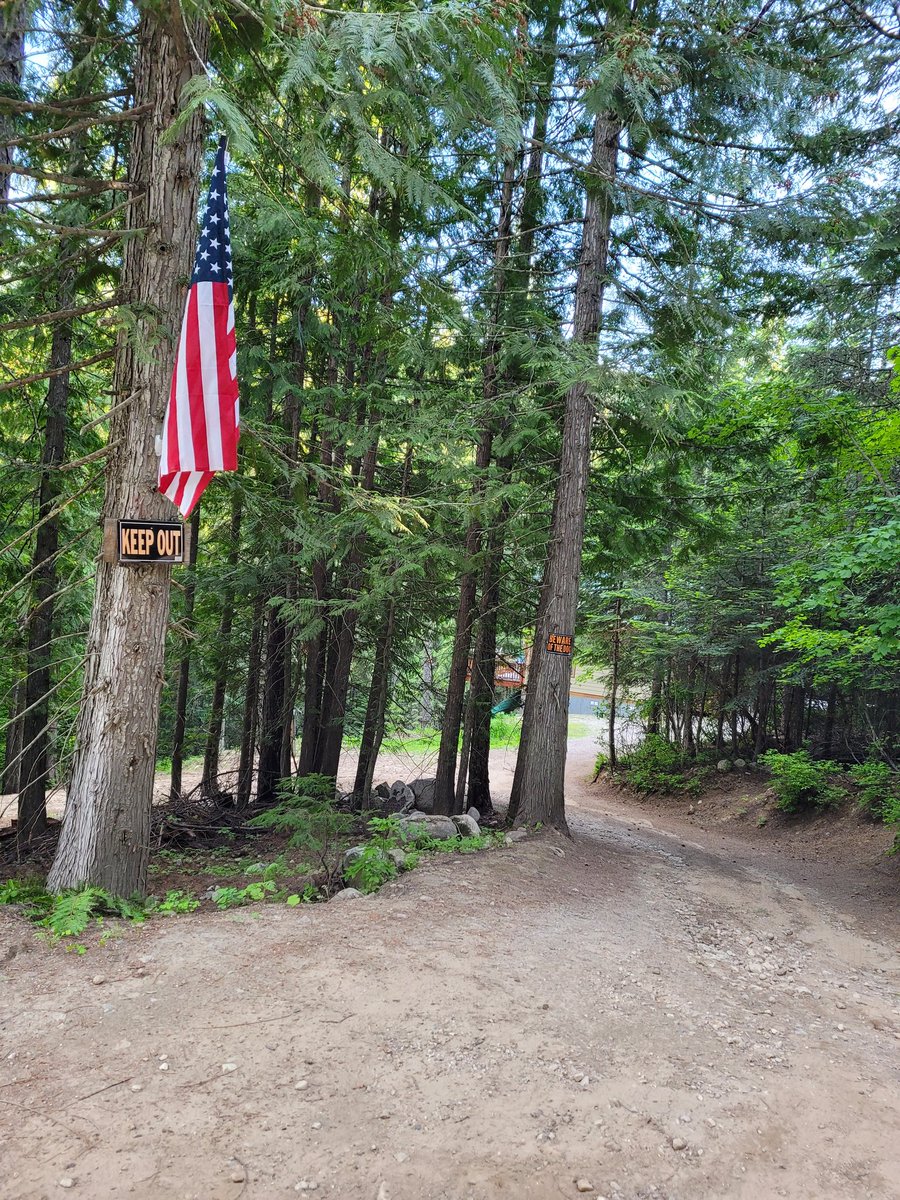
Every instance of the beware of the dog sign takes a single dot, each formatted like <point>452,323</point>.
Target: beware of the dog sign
<point>144,542</point>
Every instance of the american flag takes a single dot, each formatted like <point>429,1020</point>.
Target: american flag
<point>200,431</point>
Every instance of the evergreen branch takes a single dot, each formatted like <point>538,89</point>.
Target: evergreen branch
<point>61,314</point>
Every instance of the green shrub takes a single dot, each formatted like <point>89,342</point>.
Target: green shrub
<point>800,782</point>
<point>306,811</point>
<point>879,787</point>
<point>658,766</point>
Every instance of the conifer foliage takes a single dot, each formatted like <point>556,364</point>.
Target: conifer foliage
<point>560,328</point>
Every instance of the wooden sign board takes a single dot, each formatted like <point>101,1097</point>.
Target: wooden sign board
<point>559,643</point>
<point>135,542</point>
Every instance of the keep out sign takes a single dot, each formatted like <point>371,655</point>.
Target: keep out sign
<point>150,542</point>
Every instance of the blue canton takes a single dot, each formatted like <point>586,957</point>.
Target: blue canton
<point>213,261</point>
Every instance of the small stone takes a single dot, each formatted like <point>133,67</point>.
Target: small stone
<point>401,1156</point>
<point>305,1185</point>
<point>317,1124</point>
<point>382,1193</point>
<point>97,981</point>
<point>584,1185</point>
<point>384,1116</point>
<point>740,763</point>
<point>238,1175</point>
<point>164,1066</point>
<point>137,1087</point>
<point>691,810</point>
<point>229,1067</point>
<point>301,1085</point>
<point>723,765</point>
<point>678,1143</point>
<point>67,1181</point>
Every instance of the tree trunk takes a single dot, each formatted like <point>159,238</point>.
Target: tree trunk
<point>484,664</point>
<point>334,710</point>
<point>105,835</point>
<point>210,785</point>
<point>614,685</point>
<point>656,687</point>
<point>32,816</point>
<point>184,665</point>
<point>828,731</point>
<point>373,724</point>
<point>445,798</point>
<point>273,709</point>
<point>538,788</point>
<point>251,707</point>
<point>14,17</point>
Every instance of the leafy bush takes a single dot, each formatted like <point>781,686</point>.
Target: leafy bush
<point>800,782</point>
<point>69,914</point>
<point>306,811</point>
<point>879,787</point>
<point>658,766</point>
<point>232,897</point>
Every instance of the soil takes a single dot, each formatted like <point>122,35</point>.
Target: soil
<point>672,1005</point>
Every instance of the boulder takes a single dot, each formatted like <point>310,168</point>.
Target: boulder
<point>723,765</point>
<point>437,827</point>
<point>398,858</point>
<point>423,790</point>
<point>351,855</point>
<point>474,814</point>
<point>347,894</point>
<point>740,764</point>
<point>466,826</point>
<point>382,790</point>
<point>515,835</point>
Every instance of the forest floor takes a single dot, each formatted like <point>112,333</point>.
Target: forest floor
<point>672,1006</point>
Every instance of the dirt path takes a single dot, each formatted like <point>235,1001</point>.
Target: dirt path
<point>491,1026</point>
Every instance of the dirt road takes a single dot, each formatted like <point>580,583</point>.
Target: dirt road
<point>646,1010</point>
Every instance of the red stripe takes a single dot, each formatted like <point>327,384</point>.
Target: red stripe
<point>227,385</point>
<point>195,385</point>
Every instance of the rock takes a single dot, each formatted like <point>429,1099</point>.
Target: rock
<point>238,1175</point>
<point>382,1193</point>
<point>229,1067</point>
<point>515,835</point>
<point>740,764</point>
<point>678,1143</point>
<point>398,858</point>
<point>423,791</point>
<point>466,826</point>
<point>382,790</point>
<point>723,765</point>
<point>301,1085</point>
<point>416,823</point>
<point>474,814</point>
<point>401,798</point>
<point>347,894</point>
<point>305,1185</point>
<point>67,1181</point>
<point>584,1185</point>
<point>98,980</point>
<point>691,810</point>
<point>351,855</point>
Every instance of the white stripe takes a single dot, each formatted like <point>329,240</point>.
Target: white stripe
<point>191,487</point>
<point>210,374</point>
<point>182,401</point>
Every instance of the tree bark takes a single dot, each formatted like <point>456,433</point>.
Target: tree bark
<point>105,835</point>
<point>251,707</point>
<point>184,665</point>
<point>14,15</point>
<point>273,709</point>
<point>538,787</point>
<point>614,686</point>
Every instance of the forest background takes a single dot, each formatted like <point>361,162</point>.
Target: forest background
<point>526,295</point>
